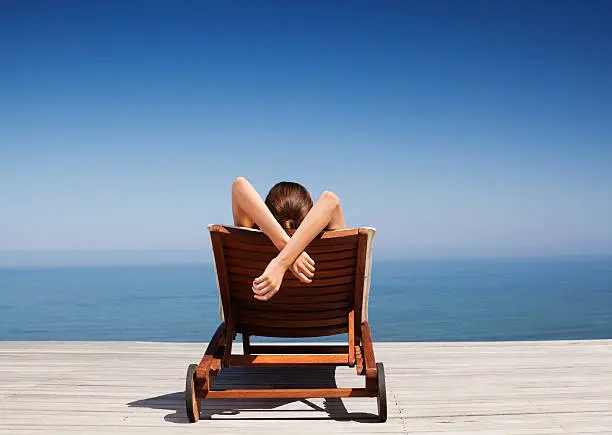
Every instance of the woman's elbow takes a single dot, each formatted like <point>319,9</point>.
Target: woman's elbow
<point>238,182</point>
<point>331,196</point>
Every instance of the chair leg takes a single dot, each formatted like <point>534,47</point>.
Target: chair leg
<point>230,334</point>
<point>246,344</point>
<point>199,377</point>
<point>217,339</point>
<point>368,351</point>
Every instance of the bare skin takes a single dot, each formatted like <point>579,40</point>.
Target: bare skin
<point>248,208</point>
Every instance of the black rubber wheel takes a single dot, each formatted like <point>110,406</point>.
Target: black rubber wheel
<point>192,403</point>
<point>382,393</point>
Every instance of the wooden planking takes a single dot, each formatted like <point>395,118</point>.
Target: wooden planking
<point>296,294</point>
<point>260,265</point>
<point>283,315</point>
<point>242,232</point>
<point>333,256</point>
<point>336,264</point>
<point>291,349</point>
<point>252,304</point>
<point>316,282</point>
<point>254,272</point>
<point>291,359</point>
<point>245,256</point>
<point>278,300</point>
<point>261,239</point>
<point>268,248</point>
<point>300,332</point>
<point>562,387</point>
<point>248,255</point>
<point>252,322</point>
<point>265,257</point>
<point>287,294</point>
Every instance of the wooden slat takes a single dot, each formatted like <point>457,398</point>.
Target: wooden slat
<point>316,282</point>
<point>245,294</point>
<point>335,234</point>
<point>339,233</point>
<point>253,273</point>
<point>292,349</point>
<point>331,248</point>
<point>249,264</point>
<point>281,323</point>
<point>333,256</point>
<point>229,243</point>
<point>290,293</point>
<point>293,360</point>
<point>294,332</point>
<point>239,231</point>
<point>263,257</point>
<point>284,315</point>
<point>306,291</point>
<point>290,393</point>
<point>261,265</point>
<point>261,239</point>
<point>254,304</point>
<point>336,264</point>
<point>250,237</point>
<point>240,254</point>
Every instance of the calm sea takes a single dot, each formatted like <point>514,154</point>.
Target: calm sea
<point>422,300</point>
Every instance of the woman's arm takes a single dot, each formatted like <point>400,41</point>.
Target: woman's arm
<point>249,208</point>
<point>337,217</point>
<point>325,214</point>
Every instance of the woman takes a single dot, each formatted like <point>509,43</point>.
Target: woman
<point>287,206</point>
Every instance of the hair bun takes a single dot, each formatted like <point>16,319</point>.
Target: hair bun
<point>289,224</point>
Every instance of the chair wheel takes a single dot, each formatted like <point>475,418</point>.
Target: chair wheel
<point>382,393</point>
<point>192,403</point>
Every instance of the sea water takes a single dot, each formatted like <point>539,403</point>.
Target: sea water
<point>411,300</point>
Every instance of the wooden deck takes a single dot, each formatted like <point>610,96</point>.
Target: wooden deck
<point>559,387</point>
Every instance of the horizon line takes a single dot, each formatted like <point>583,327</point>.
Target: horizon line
<point>209,262</point>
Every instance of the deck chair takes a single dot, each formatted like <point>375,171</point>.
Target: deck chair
<point>334,303</point>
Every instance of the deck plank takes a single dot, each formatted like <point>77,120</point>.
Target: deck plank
<point>556,387</point>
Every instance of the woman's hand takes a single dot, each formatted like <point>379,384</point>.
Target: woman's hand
<point>266,285</point>
<point>303,268</point>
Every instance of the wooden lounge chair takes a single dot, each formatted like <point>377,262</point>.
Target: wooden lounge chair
<point>334,303</point>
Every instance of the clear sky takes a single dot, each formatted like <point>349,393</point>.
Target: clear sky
<point>467,129</point>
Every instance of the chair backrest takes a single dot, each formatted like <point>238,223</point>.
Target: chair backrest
<point>337,293</point>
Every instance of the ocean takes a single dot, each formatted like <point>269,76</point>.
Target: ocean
<point>411,300</point>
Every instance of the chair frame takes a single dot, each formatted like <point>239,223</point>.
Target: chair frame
<point>359,351</point>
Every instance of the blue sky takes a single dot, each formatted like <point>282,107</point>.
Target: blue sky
<point>458,129</point>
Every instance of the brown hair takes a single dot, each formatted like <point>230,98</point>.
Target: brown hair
<point>289,202</point>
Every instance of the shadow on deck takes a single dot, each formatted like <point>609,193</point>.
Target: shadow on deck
<point>260,377</point>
